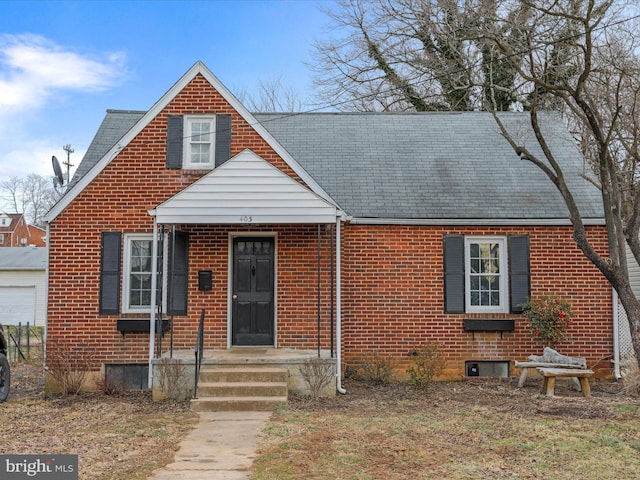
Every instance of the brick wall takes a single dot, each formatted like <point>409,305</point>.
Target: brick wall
<point>393,301</point>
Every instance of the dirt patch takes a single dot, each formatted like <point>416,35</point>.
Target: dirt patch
<point>119,437</point>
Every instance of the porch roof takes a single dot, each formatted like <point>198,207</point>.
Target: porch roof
<point>245,190</point>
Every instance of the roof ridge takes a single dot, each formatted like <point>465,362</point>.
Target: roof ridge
<point>115,110</point>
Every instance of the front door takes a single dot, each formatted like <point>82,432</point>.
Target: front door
<point>252,295</point>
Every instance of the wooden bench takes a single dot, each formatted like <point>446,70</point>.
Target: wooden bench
<point>550,374</point>
<point>526,365</point>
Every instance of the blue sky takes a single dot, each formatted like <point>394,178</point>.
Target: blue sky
<point>63,64</point>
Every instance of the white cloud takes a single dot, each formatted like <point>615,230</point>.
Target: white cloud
<point>34,73</point>
<point>32,68</point>
<point>21,159</point>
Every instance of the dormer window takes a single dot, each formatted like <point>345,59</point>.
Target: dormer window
<point>199,143</point>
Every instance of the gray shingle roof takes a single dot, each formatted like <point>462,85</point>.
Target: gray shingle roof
<point>23,258</point>
<point>115,124</point>
<point>451,165</point>
<point>433,166</point>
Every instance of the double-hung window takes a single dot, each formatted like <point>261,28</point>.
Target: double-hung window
<point>486,274</point>
<point>126,273</point>
<point>199,144</point>
<point>137,273</point>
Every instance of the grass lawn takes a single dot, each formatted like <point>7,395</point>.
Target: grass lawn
<point>462,430</point>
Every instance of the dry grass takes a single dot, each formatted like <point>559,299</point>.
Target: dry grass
<point>465,430</point>
<point>120,437</point>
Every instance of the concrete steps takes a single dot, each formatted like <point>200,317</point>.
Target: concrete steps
<point>240,388</point>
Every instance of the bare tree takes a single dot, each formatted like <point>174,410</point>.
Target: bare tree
<point>32,196</point>
<point>416,55</point>
<point>273,95</point>
<point>583,54</point>
<point>579,57</point>
<point>12,197</point>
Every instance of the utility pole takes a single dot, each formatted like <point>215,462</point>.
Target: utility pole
<point>67,148</point>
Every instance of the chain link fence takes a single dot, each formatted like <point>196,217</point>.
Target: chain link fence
<point>24,342</point>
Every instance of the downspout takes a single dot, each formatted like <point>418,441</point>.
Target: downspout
<point>46,295</point>
<point>318,290</point>
<point>154,306</point>
<point>616,335</point>
<point>339,387</point>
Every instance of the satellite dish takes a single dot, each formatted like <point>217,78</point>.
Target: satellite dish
<point>57,170</point>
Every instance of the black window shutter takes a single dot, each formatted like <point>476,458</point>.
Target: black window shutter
<point>223,139</point>
<point>454,274</point>
<point>110,273</point>
<point>174,141</point>
<point>519,271</point>
<point>178,273</point>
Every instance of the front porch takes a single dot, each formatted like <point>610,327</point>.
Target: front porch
<point>265,249</point>
<point>244,371</point>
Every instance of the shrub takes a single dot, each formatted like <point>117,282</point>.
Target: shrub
<point>171,377</point>
<point>631,376</point>
<point>317,373</point>
<point>377,369</point>
<point>69,365</point>
<point>428,363</point>
<point>110,386</point>
<point>548,318</point>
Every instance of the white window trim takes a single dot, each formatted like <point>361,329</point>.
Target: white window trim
<point>1,238</point>
<point>186,144</point>
<point>504,274</point>
<point>128,238</point>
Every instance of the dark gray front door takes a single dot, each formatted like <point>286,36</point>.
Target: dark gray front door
<point>252,296</point>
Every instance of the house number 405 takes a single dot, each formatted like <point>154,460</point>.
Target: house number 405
<point>246,219</point>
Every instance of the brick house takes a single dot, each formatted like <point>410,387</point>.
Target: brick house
<point>14,230</point>
<point>37,236</point>
<point>349,234</point>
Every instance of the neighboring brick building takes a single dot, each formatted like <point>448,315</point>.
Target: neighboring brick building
<point>354,232</point>
<point>14,231</point>
<point>37,236</point>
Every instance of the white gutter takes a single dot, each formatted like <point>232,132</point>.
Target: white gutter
<point>154,300</point>
<point>472,221</point>
<point>616,335</point>
<point>339,387</point>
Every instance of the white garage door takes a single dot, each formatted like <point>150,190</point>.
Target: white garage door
<point>17,305</point>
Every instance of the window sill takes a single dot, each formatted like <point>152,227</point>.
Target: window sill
<point>489,325</point>
<point>196,171</point>
<point>137,325</point>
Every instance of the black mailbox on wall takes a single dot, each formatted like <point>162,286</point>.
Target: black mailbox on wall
<point>204,280</point>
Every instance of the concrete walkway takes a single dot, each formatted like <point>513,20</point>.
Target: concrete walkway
<point>222,446</point>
